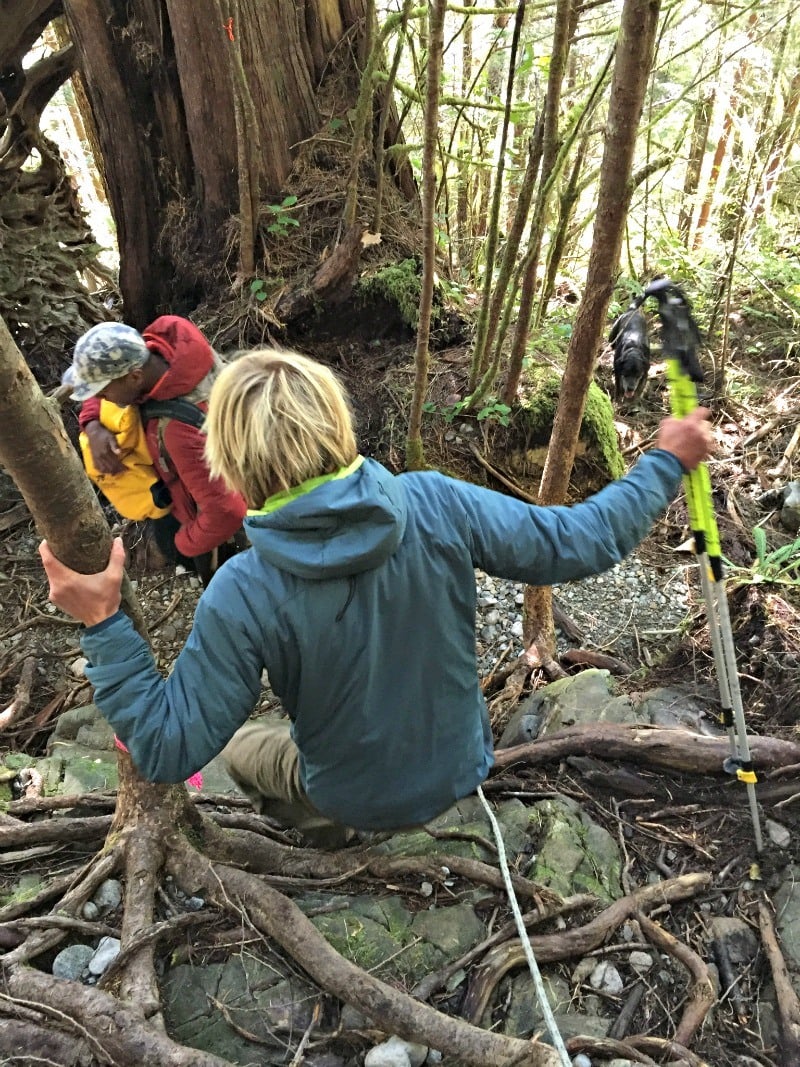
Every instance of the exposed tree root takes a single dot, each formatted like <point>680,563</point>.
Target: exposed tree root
<point>434,981</point>
<point>22,695</point>
<point>394,1012</point>
<point>560,946</point>
<point>664,1049</point>
<point>147,841</point>
<point>788,1003</point>
<point>606,1046</point>
<point>702,996</point>
<point>109,1031</point>
<point>653,746</point>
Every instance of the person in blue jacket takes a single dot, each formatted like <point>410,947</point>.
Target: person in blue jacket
<point>357,597</point>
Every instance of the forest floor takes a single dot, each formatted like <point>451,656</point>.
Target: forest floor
<point>694,830</point>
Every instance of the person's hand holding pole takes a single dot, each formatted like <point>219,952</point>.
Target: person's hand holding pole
<point>690,439</point>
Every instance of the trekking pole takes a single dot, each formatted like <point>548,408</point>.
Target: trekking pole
<point>680,338</point>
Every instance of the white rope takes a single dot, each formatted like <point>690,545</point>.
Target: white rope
<point>533,966</point>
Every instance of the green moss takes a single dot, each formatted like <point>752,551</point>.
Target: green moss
<point>539,403</point>
<point>27,888</point>
<point>399,282</point>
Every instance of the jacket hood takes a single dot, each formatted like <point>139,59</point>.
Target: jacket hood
<point>339,528</point>
<point>191,358</point>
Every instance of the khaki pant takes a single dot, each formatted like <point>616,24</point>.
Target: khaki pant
<point>263,761</point>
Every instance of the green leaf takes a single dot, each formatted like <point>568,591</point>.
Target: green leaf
<point>289,201</point>
<point>760,539</point>
<point>256,285</point>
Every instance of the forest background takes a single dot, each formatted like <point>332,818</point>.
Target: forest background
<point>448,202</point>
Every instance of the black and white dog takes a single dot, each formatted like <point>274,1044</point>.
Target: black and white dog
<point>631,343</point>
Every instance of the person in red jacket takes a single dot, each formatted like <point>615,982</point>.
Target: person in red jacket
<point>170,359</point>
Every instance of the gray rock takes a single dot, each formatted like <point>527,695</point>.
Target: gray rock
<point>108,896</point>
<point>741,943</point>
<point>641,962</point>
<point>778,834</point>
<point>674,706</point>
<point>395,1052</point>
<point>606,978</point>
<point>580,698</point>
<point>575,854</point>
<point>790,512</point>
<point>581,1060</point>
<point>90,911</point>
<point>78,666</point>
<point>71,962</point>
<point>452,930</point>
<point>104,955</point>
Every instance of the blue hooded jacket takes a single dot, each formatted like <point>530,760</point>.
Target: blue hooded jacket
<point>358,598</point>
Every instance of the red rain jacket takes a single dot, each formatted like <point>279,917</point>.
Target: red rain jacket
<point>209,514</point>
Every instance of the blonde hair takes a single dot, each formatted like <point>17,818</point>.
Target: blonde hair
<point>276,419</point>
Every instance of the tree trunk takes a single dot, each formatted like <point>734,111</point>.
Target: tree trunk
<point>697,150</point>
<point>160,87</point>
<point>414,453</point>
<point>784,137</point>
<point>723,142</point>
<point>631,71</point>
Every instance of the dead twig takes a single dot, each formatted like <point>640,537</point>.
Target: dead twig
<point>780,469</point>
<point>502,478</point>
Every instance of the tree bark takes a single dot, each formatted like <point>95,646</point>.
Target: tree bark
<point>414,453</point>
<point>629,81</point>
<point>161,93</point>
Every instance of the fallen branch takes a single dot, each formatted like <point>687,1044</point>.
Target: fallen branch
<point>502,478</point>
<point>14,517</point>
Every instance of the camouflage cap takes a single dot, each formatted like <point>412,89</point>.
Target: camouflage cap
<point>104,353</point>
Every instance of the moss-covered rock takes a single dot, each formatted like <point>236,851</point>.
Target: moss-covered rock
<point>400,284</point>
<point>534,420</point>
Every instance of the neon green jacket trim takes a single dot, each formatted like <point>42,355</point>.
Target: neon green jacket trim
<point>286,496</point>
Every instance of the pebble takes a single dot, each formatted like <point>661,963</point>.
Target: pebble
<point>607,978</point>
<point>778,834</point>
<point>78,667</point>
<point>104,955</point>
<point>640,961</point>
<point>396,1053</point>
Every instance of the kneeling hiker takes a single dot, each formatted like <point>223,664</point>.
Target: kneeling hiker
<point>164,376</point>
<point>358,597</point>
